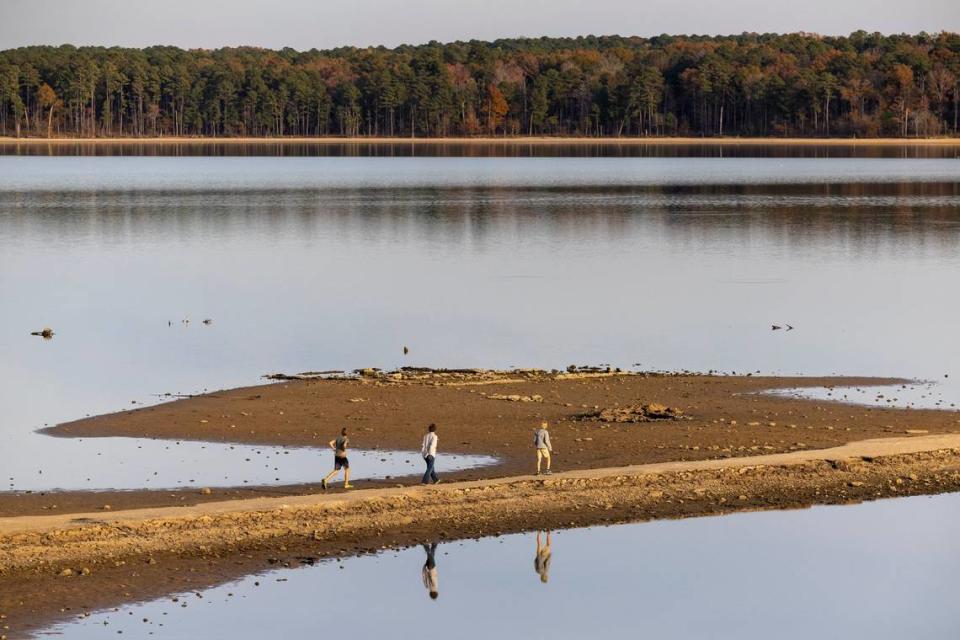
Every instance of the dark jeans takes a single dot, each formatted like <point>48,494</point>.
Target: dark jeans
<point>430,474</point>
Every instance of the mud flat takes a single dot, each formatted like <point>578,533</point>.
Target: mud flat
<point>491,413</point>
<point>725,447</point>
<point>55,567</point>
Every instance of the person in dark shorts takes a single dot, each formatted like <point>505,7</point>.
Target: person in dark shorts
<point>340,461</point>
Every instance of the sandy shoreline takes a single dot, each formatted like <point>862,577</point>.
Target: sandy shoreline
<point>726,416</point>
<point>735,449</point>
<point>59,567</point>
<point>167,517</point>
<point>511,141</point>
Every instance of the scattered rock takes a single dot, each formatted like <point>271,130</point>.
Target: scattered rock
<point>206,491</point>
<point>634,413</point>
<point>515,397</point>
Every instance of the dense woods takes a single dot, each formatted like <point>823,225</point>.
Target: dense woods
<point>748,85</point>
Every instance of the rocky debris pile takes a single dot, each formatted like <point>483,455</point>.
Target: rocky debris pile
<point>513,397</point>
<point>455,376</point>
<point>589,368</point>
<point>650,412</point>
<point>307,375</point>
<point>440,377</point>
<point>422,375</point>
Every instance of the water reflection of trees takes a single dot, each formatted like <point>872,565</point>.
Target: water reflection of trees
<point>505,149</point>
<point>579,221</point>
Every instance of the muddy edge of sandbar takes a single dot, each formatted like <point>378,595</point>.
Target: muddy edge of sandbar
<point>724,417</point>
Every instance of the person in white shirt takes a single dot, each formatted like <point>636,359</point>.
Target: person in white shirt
<point>429,572</point>
<point>429,451</point>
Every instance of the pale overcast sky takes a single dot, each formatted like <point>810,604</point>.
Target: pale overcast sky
<point>304,24</point>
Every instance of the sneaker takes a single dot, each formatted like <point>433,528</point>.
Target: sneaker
<point>537,473</point>
<point>348,486</point>
<point>323,483</point>
<point>437,481</point>
<point>548,472</point>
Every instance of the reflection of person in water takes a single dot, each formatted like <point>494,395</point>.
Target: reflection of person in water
<point>430,571</point>
<point>541,564</point>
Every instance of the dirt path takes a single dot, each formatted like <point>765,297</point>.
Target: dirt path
<point>877,448</point>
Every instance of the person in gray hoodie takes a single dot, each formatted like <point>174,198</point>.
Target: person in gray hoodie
<point>541,442</point>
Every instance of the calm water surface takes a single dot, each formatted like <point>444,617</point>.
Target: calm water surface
<point>45,464</point>
<point>877,570</point>
<point>309,263</point>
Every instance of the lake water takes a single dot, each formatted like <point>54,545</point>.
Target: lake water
<point>878,570</point>
<point>138,463</point>
<point>311,263</point>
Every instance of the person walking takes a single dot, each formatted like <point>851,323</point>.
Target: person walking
<point>541,442</point>
<point>340,461</point>
<point>429,571</point>
<point>429,451</point>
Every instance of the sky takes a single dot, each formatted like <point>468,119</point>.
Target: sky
<point>306,24</point>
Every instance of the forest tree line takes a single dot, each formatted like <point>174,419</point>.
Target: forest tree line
<point>864,85</point>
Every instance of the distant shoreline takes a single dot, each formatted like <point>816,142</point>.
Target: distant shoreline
<point>505,141</point>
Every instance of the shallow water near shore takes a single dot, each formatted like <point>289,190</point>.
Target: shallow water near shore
<point>876,570</point>
<point>306,263</point>
<point>918,394</point>
<point>140,463</point>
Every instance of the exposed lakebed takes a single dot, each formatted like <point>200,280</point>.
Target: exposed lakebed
<point>879,570</point>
